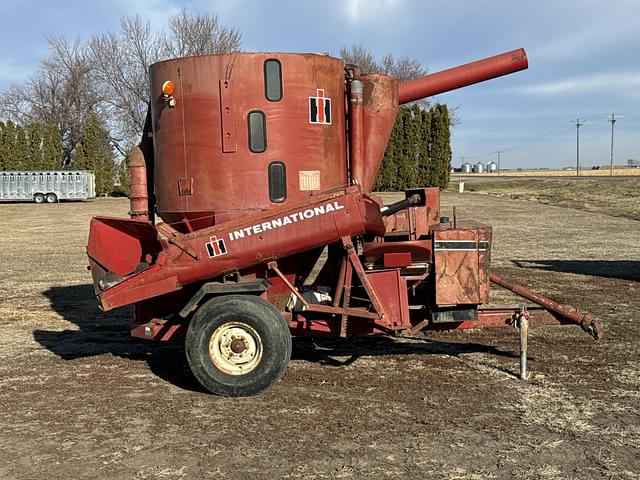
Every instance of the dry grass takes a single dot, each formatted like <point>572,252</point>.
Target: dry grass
<point>80,399</point>
<point>603,171</point>
<point>619,197</point>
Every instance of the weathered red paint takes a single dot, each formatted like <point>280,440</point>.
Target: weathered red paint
<point>461,263</point>
<point>571,314</point>
<point>138,198</point>
<point>205,136</point>
<point>380,99</point>
<point>356,133</point>
<point>417,221</point>
<point>185,258</point>
<point>463,75</point>
<point>198,171</point>
<point>500,317</point>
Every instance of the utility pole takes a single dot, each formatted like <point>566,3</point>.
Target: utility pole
<point>499,152</point>
<point>579,123</point>
<point>613,122</point>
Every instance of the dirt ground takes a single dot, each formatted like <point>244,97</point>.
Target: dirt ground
<point>80,399</point>
<point>614,196</point>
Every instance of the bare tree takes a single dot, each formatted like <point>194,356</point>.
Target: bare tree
<point>197,35</point>
<point>61,93</point>
<point>109,76</point>
<point>121,70</point>
<point>121,64</point>
<point>357,55</point>
<point>403,68</point>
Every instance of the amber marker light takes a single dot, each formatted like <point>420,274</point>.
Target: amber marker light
<point>167,88</point>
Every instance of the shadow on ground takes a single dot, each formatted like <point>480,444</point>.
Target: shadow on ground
<point>330,350</point>
<point>622,269</point>
<point>101,333</point>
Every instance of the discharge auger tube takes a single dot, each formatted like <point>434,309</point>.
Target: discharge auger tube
<point>463,75</point>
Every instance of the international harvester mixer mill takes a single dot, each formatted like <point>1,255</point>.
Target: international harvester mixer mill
<point>253,164</point>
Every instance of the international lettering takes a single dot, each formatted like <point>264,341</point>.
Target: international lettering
<point>290,219</point>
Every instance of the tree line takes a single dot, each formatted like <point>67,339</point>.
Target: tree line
<point>91,95</point>
<point>419,151</point>
<point>34,147</point>
<point>86,105</point>
<point>108,75</point>
<point>38,147</point>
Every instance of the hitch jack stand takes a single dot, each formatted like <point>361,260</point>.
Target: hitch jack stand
<point>522,324</point>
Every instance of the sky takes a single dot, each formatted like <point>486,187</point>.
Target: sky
<point>584,59</point>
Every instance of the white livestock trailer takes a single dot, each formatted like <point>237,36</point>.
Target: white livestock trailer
<point>47,186</point>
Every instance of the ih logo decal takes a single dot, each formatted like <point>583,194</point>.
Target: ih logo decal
<point>216,247</point>
<point>320,108</point>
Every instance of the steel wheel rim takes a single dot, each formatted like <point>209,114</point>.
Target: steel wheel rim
<point>235,348</point>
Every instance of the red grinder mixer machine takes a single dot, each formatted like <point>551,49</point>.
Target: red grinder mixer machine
<point>252,217</point>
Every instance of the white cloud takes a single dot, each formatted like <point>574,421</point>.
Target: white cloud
<point>358,11</point>
<point>595,83</point>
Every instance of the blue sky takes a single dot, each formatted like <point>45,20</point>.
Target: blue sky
<point>584,59</point>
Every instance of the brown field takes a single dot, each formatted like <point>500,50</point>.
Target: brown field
<point>612,196</point>
<point>603,171</point>
<point>80,399</point>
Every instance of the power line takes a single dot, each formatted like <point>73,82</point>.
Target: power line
<point>519,145</point>
<point>578,122</point>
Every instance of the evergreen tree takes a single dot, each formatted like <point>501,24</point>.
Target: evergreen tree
<point>440,146</point>
<point>1,147</point>
<point>21,149</point>
<point>34,136</point>
<point>52,148</point>
<point>95,153</point>
<point>445,170</point>
<point>407,160</point>
<point>388,174</point>
<point>424,163</point>
<point>419,150</point>
<point>8,146</point>
<point>80,160</point>
<point>123,176</point>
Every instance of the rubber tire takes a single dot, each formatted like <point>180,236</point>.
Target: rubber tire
<point>268,324</point>
<point>51,198</point>
<point>39,198</point>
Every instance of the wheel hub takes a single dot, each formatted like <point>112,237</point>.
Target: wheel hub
<point>238,345</point>
<point>235,348</point>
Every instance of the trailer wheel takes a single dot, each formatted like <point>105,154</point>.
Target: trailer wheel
<point>51,198</point>
<point>238,345</point>
<point>38,198</point>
